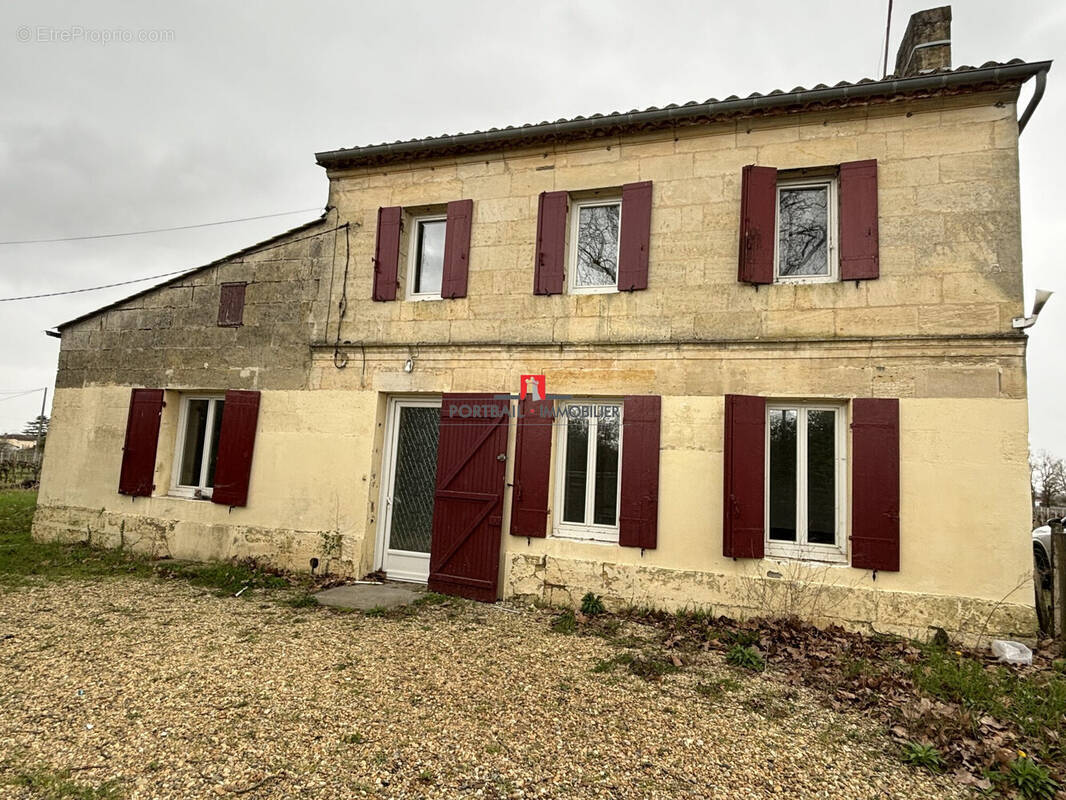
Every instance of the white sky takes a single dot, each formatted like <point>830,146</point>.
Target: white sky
<point>222,121</point>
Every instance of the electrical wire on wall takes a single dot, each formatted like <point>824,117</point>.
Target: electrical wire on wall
<point>340,361</point>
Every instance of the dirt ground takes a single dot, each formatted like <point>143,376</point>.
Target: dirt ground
<point>135,688</point>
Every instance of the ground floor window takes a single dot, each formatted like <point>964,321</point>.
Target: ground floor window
<point>199,423</point>
<point>805,481</point>
<point>588,469</point>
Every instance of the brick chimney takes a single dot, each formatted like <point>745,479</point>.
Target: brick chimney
<point>926,45</point>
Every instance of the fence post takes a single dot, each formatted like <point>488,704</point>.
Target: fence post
<point>1058,569</point>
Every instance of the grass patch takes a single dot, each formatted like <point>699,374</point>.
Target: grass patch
<point>24,561</point>
<point>746,657</point>
<point>57,785</point>
<point>717,688</point>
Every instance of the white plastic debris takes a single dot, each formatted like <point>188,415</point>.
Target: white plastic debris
<point>1012,652</point>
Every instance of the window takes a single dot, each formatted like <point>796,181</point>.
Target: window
<point>426,269</point>
<point>806,250</point>
<point>588,470</point>
<point>805,481</point>
<point>199,424</point>
<point>594,235</point>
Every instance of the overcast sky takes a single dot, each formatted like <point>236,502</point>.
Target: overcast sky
<point>220,118</point>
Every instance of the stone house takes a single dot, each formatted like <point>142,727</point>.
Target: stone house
<point>752,354</point>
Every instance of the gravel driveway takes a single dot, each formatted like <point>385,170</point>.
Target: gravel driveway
<point>152,689</point>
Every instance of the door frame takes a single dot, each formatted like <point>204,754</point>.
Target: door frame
<point>388,477</point>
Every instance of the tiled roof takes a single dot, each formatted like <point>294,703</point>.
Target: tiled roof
<point>963,78</point>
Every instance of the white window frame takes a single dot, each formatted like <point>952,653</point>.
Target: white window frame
<point>412,255</point>
<point>574,530</point>
<point>575,225</point>
<point>832,241</point>
<point>200,490</point>
<point>801,549</point>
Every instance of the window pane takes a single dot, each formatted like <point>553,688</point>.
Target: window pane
<point>430,263</point>
<point>192,454</point>
<point>821,477</point>
<point>783,474</point>
<point>597,245</point>
<point>577,450</point>
<point>606,495</point>
<point>804,231</point>
<point>212,458</point>
<point>415,480</point>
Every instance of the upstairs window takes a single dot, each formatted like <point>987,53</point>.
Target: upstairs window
<point>199,424</point>
<point>805,481</point>
<point>806,246</point>
<point>589,470</point>
<point>426,269</point>
<point>594,237</point>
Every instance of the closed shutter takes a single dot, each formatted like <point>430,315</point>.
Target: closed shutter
<point>457,249</point>
<point>231,305</point>
<point>550,266</point>
<point>638,513</point>
<point>745,465</point>
<point>634,237</point>
<point>875,483</point>
<point>142,436</point>
<point>533,447</point>
<point>236,441</point>
<point>858,221</point>
<point>387,253</point>
<point>758,214</point>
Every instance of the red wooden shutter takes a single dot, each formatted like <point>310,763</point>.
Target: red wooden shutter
<point>634,237</point>
<point>533,448</point>
<point>550,265</point>
<point>231,305</point>
<point>387,253</point>
<point>745,466</point>
<point>464,554</point>
<point>457,248</point>
<point>875,483</point>
<point>236,440</point>
<point>758,214</point>
<point>142,436</point>
<point>858,221</point>
<point>638,513</point>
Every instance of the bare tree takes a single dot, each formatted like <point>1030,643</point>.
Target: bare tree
<point>1048,477</point>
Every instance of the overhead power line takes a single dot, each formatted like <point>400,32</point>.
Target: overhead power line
<point>159,230</point>
<point>95,288</point>
<point>20,394</point>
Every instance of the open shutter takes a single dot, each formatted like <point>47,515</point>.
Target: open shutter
<point>858,221</point>
<point>550,269</point>
<point>758,213</point>
<point>142,437</point>
<point>745,490</point>
<point>875,483</point>
<point>457,249</point>
<point>533,448</point>
<point>638,513</point>
<point>236,440</point>
<point>634,237</point>
<point>387,253</point>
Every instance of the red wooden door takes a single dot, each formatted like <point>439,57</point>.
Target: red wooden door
<point>464,555</point>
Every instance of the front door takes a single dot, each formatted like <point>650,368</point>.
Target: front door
<point>467,514</point>
<point>409,477</point>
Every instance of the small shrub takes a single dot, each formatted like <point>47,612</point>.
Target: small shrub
<point>592,605</point>
<point>745,656</point>
<point>923,755</point>
<point>1030,779</point>
<point>650,667</point>
<point>565,623</point>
